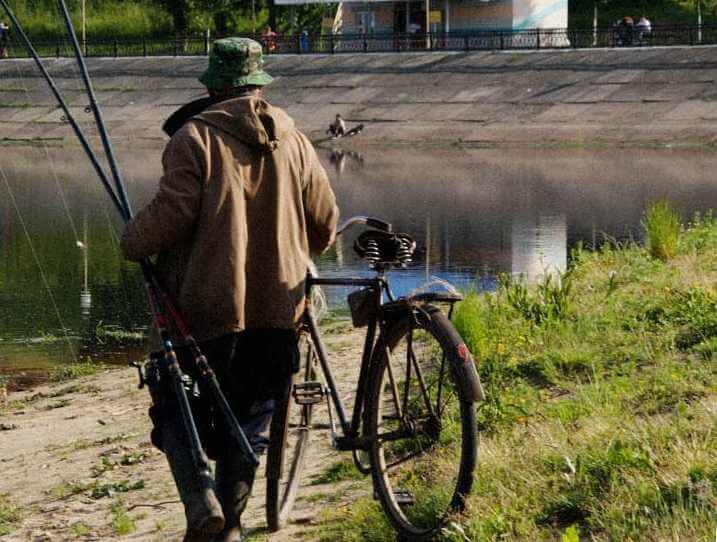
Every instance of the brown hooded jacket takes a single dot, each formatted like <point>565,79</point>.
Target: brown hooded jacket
<point>242,204</point>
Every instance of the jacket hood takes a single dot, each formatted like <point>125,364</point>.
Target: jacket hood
<point>250,119</point>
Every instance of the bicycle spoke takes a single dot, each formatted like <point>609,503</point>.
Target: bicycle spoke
<point>394,387</point>
<point>421,382</point>
<point>402,460</point>
<point>440,382</point>
<point>407,383</point>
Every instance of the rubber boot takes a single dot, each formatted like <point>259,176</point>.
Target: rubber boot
<point>234,485</point>
<point>195,485</point>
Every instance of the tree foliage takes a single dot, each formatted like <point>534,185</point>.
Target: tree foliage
<point>660,12</point>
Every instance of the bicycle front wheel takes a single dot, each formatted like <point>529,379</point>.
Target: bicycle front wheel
<point>289,438</point>
<point>422,428</point>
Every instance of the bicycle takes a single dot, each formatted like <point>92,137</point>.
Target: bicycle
<point>413,424</point>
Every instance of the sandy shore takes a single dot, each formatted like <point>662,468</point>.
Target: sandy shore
<point>77,463</point>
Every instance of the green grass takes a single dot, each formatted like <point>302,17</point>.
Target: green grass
<point>10,515</point>
<point>83,444</point>
<point>662,229</point>
<point>79,529</point>
<point>94,489</point>
<point>112,333</point>
<point>338,472</point>
<point>12,406</point>
<point>122,523</point>
<point>71,371</point>
<point>599,423</point>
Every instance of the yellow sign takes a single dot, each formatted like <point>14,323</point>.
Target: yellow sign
<point>436,16</point>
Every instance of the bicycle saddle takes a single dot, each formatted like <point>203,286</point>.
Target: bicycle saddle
<point>381,248</point>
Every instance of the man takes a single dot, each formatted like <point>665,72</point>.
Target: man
<point>242,204</point>
<point>337,128</point>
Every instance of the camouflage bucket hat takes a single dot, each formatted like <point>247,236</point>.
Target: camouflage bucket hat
<point>235,62</point>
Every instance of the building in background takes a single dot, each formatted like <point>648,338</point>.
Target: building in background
<point>386,17</point>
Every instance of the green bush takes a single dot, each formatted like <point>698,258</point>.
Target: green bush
<point>662,228</point>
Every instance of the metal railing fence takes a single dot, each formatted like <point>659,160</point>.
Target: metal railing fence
<point>476,40</point>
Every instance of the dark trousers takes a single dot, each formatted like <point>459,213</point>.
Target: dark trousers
<point>254,369</point>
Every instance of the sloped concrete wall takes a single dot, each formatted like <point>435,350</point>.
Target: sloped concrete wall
<point>612,97</point>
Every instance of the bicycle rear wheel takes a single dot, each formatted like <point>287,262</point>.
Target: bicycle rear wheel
<point>423,434</point>
<point>289,439</point>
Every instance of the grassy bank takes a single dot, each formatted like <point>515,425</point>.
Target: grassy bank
<point>600,423</point>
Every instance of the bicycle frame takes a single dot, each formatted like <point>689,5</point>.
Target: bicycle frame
<point>349,428</point>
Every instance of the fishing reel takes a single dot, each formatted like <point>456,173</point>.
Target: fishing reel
<point>381,249</point>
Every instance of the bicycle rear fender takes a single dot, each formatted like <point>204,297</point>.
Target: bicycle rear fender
<point>461,360</point>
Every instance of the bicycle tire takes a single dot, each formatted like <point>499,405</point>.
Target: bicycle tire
<point>362,464</point>
<point>405,516</point>
<point>288,445</point>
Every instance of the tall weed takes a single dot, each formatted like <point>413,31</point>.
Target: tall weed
<point>662,228</point>
<point>549,301</point>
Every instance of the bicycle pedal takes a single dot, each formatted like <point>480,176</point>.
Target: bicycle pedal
<point>404,497</point>
<point>308,393</point>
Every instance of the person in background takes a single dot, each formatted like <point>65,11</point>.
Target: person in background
<point>644,28</point>
<point>268,38</point>
<point>337,128</point>
<point>304,41</point>
<point>4,38</point>
<point>625,31</point>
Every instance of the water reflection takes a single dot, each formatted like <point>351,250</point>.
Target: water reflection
<point>474,214</point>
<point>539,246</point>
<point>343,159</point>
<point>85,302</point>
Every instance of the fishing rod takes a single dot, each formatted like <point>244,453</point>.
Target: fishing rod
<point>94,106</point>
<point>159,300</point>
<point>61,101</point>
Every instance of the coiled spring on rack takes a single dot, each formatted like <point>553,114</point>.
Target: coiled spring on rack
<point>380,248</point>
<point>404,252</point>
<point>372,253</point>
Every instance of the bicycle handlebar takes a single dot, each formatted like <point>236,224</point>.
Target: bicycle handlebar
<point>375,223</point>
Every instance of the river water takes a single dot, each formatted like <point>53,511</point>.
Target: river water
<point>66,293</point>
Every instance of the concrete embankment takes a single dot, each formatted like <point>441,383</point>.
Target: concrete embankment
<point>651,96</point>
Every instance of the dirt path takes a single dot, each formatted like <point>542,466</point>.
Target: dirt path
<point>75,459</point>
